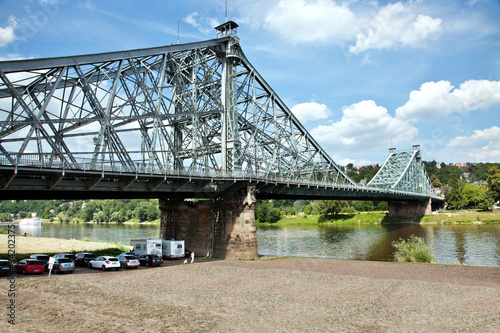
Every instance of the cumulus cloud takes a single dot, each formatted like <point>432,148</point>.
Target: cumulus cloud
<point>483,145</point>
<point>312,20</point>
<point>491,135</point>
<point>363,126</point>
<point>435,100</point>
<point>396,25</point>
<point>328,21</point>
<point>7,34</point>
<point>310,111</point>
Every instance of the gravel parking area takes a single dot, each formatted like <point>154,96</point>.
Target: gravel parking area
<point>265,295</point>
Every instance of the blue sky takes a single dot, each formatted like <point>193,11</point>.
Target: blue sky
<point>362,76</point>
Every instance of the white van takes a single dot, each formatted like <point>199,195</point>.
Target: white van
<point>173,248</point>
<point>147,246</point>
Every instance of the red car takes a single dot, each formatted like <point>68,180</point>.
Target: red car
<point>29,266</point>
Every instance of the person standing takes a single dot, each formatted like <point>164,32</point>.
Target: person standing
<point>192,257</point>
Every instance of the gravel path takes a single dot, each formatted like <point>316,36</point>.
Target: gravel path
<point>265,295</point>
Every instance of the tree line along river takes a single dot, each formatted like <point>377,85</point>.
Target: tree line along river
<point>471,244</point>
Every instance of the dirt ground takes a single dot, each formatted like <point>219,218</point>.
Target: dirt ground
<point>265,295</point>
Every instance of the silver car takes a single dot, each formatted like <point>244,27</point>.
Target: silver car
<point>63,265</point>
<point>128,261</point>
<point>105,262</point>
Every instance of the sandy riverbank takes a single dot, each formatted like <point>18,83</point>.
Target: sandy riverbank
<point>265,295</point>
<point>30,245</point>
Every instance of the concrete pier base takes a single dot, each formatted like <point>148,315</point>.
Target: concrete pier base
<point>410,209</point>
<point>223,227</point>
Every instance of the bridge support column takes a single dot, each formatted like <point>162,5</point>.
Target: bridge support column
<point>410,209</point>
<point>223,227</point>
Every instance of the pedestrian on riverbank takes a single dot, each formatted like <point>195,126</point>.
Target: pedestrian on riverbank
<point>192,257</point>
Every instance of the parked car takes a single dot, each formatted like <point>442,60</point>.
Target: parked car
<point>4,266</point>
<point>128,261</point>
<point>65,255</point>
<point>43,258</point>
<point>132,253</point>
<point>83,258</point>
<point>63,265</point>
<point>29,266</point>
<point>150,260</point>
<point>105,262</point>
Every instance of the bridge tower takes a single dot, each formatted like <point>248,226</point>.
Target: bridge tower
<point>229,58</point>
<point>225,226</point>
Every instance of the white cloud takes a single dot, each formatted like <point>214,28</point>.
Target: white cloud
<point>7,34</point>
<point>492,135</point>
<point>364,126</point>
<point>312,20</point>
<point>203,24</point>
<point>483,145</point>
<point>435,100</point>
<point>310,111</point>
<point>396,25</point>
<point>326,21</point>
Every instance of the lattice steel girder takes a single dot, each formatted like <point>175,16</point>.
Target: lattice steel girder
<point>404,171</point>
<point>198,107</point>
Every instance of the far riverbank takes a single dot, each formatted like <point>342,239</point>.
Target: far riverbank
<point>380,217</point>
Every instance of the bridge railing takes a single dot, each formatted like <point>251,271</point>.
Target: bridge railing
<point>144,169</point>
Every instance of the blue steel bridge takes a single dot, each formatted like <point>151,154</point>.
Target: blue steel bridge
<point>192,120</point>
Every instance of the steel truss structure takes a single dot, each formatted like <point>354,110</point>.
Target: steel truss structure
<point>404,171</point>
<point>195,108</point>
<point>183,119</point>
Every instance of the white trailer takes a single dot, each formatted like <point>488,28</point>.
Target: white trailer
<point>173,248</point>
<point>147,246</point>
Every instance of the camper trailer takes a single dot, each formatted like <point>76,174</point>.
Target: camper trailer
<point>147,246</point>
<point>172,248</point>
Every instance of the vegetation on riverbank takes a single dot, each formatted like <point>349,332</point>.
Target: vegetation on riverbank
<point>412,250</point>
<point>25,246</point>
<point>379,217</point>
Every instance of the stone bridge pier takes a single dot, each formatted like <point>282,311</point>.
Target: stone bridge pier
<point>410,209</point>
<point>223,227</point>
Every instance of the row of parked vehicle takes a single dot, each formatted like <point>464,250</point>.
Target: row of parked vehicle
<point>67,262</point>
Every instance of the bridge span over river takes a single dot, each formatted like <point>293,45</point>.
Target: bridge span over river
<point>185,121</point>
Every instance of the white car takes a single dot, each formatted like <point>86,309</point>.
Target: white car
<point>105,262</point>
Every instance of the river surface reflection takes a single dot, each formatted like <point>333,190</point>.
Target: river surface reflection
<point>476,244</point>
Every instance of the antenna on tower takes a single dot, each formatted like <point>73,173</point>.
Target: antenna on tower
<point>226,12</point>
<point>178,31</point>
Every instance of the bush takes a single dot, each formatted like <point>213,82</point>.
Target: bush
<point>412,250</point>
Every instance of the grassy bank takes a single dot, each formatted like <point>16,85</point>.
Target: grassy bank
<point>25,246</point>
<point>451,217</point>
<point>462,217</point>
<point>358,218</point>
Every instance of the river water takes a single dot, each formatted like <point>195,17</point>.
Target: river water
<point>472,244</point>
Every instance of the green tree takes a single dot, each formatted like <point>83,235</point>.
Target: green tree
<point>435,181</point>
<point>455,198</point>
<point>141,211</point>
<point>274,215</point>
<point>101,217</point>
<point>262,209</point>
<point>332,207</point>
<point>153,211</point>
<point>494,182</point>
